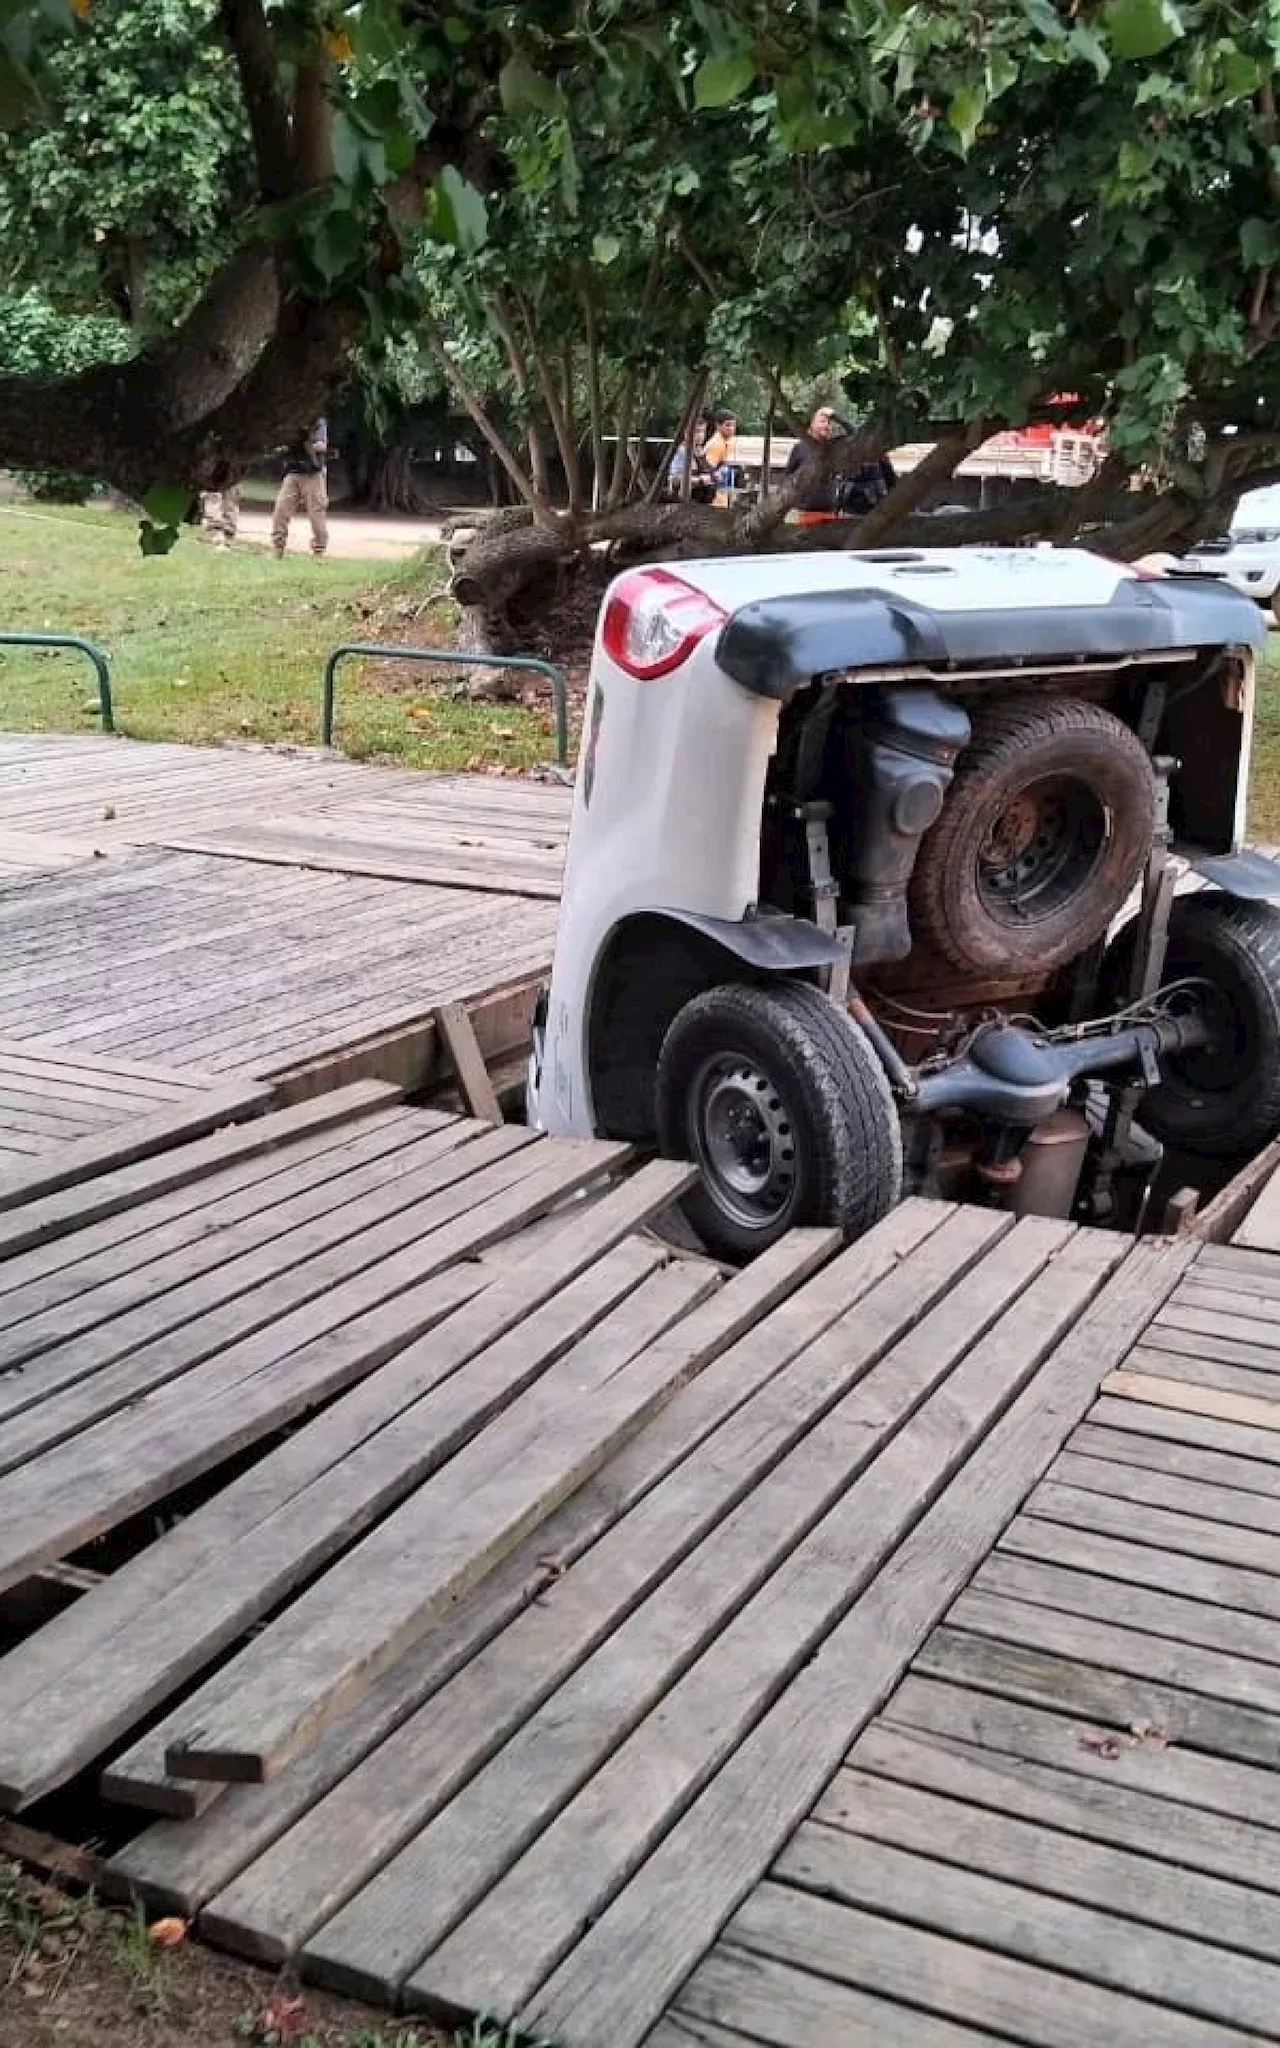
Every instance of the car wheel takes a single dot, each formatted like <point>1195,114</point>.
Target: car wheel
<point>780,1100</point>
<point>1223,1102</point>
<point>1044,832</point>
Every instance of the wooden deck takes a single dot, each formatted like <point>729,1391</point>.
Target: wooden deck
<point>869,1647</point>
<point>65,801</point>
<point>325,915</point>
<point>480,1605</point>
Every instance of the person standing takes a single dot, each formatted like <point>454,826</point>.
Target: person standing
<point>304,491</point>
<point>220,515</point>
<point>835,494</point>
<point>722,447</point>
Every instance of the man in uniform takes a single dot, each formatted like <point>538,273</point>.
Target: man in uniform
<point>304,490</point>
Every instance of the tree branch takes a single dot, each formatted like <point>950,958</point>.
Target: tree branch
<point>475,409</point>
<point>245,26</point>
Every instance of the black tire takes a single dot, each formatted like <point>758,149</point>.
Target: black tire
<point>1043,834</point>
<point>780,1099</point>
<point>1223,1103</point>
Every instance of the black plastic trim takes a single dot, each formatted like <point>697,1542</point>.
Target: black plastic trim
<point>777,645</point>
<point>773,943</point>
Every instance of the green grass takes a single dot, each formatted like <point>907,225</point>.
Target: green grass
<point>1264,781</point>
<point>209,645</point>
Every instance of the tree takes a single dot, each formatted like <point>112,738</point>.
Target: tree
<point>964,215</point>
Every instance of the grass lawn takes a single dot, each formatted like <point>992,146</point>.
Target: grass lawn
<point>208,645</point>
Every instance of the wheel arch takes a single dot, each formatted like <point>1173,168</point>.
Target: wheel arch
<point>655,961</point>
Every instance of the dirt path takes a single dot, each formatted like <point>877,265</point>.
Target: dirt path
<point>352,537</point>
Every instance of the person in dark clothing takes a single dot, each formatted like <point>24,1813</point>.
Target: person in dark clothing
<point>844,494</point>
<point>304,491</point>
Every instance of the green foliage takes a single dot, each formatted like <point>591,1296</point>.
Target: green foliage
<point>38,342</point>
<point>125,195</point>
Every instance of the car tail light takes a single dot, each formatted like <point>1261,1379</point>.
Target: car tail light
<point>653,622</point>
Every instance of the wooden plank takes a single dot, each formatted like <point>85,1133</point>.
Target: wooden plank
<point>85,1157</point>
<point>617,1979</point>
<point>1141,1564</point>
<point>1161,1392</point>
<point>1208,1500</point>
<point>1253,1332</point>
<point>54,1061</point>
<point>766,2001</point>
<point>1176,1426</point>
<point>610,1311</point>
<point>225,1340</point>
<point>1125,1651</point>
<point>1127,1448</point>
<point>297,1510</point>
<point>1041,2006</point>
<point>1170,1835</point>
<point>1122,1700</point>
<point>1196,1348</point>
<point>749,1336</point>
<point>59,1501</point>
<point>1165,1528</point>
<point>1204,1789</point>
<point>321,1657</point>
<point>402,1047</point>
<point>1226,1989</point>
<point>1179,1616</point>
<point>468,1062</point>
<point>678,1527</point>
<point>48,1274</point>
<point>108,1194</point>
<point>1259,1227</point>
<point>316,1206</point>
<point>132,1286</point>
<point>1041,1851</point>
<point>903,1447</point>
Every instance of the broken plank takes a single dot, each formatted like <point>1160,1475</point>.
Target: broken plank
<point>761,1319</point>
<point>468,1062</point>
<point>364,1455</point>
<point>657,1554</point>
<point>324,1653</point>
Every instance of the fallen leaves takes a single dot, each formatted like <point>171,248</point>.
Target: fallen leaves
<point>1141,1735</point>
<point>167,1933</point>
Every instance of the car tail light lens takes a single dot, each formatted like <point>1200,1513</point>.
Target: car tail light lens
<point>653,622</point>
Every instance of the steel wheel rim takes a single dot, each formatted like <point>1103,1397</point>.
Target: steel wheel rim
<point>742,1137</point>
<point>1042,847</point>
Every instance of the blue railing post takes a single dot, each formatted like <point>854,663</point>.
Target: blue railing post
<point>102,666</point>
<point>443,658</point>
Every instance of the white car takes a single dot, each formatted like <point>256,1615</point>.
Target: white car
<point>849,834</point>
<point>1248,556</point>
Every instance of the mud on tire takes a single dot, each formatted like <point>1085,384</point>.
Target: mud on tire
<point>1044,832</point>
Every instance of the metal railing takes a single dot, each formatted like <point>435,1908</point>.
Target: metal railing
<point>102,667</point>
<point>443,658</point>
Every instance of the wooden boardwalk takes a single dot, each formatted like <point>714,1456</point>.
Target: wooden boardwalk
<point>244,915</point>
<point>65,801</point>
<point>869,1647</point>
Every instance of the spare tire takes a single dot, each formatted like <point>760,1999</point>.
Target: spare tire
<point>1045,830</point>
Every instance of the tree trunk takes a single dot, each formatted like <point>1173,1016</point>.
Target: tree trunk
<point>390,484</point>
